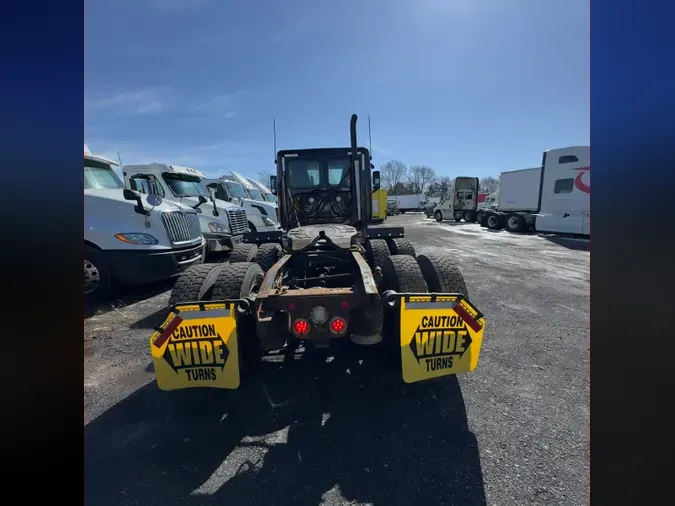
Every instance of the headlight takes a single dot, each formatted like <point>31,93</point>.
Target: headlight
<point>217,228</point>
<point>137,238</point>
<point>267,221</point>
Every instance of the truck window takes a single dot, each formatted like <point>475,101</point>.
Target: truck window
<point>147,184</point>
<point>182,185</point>
<point>460,195</point>
<point>99,176</point>
<point>337,170</point>
<point>219,192</point>
<point>236,190</point>
<point>468,195</point>
<point>303,173</point>
<point>564,186</point>
<point>567,159</point>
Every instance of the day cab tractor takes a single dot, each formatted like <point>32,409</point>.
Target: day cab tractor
<point>327,275</point>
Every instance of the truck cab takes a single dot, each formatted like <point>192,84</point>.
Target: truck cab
<point>131,238</point>
<point>262,217</point>
<point>461,202</point>
<point>222,223</point>
<point>266,193</point>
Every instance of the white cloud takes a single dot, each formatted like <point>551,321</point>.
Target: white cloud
<point>224,104</point>
<point>135,102</point>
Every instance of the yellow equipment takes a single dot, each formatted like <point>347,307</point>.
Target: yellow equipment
<point>379,205</point>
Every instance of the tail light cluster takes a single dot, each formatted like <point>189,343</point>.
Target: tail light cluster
<point>319,316</point>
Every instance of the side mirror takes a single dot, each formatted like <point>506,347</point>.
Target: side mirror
<point>131,194</point>
<point>376,180</point>
<point>273,184</point>
<point>202,199</point>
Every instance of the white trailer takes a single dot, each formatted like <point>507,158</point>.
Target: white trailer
<point>553,198</point>
<point>222,224</point>
<point>410,203</point>
<point>131,240</point>
<point>461,203</point>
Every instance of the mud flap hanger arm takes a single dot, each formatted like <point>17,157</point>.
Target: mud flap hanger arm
<point>459,303</point>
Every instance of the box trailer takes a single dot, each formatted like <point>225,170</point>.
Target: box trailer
<point>409,203</point>
<point>553,198</point>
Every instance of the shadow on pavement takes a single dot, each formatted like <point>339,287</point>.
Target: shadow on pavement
<point>128,295</point>
<point>573,244</point>
<point>375,438</point>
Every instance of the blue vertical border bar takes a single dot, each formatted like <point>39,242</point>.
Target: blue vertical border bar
<point>42,117</point>
<point>633,160</point>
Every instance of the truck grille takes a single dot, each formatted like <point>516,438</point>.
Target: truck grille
<point>182,227</point>
<point>238,221</point>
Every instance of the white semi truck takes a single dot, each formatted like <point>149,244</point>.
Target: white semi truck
<point>461,202</point>
<point>222,224</point>
<point>130,238</point>
<point>262,217</point>
<point>553,198</point>
<point>264,190</point>
<point>489,203</point>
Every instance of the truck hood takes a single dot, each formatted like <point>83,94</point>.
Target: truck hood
<point>270,208</point>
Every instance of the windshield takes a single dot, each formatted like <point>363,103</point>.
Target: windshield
<point>255,195</point>
<point>236,190</point>
<point>99,176</point>
<point>309,173</point>
<point>270,197</point>
<point>182,185</point>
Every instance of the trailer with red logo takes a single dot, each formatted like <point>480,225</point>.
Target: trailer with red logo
<point>552,199</point>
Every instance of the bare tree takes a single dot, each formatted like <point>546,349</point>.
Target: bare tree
<point>264,176</point>
<point>392,174</point>
<point>440,187</point>
<point>419,177</point>
<point>489,184</point>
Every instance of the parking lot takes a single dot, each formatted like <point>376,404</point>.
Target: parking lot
<point>343,428</point>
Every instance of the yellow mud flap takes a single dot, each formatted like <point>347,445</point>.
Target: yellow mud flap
<point>196,346</point>
<point>441,334</point>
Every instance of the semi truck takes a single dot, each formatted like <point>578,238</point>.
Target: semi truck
<point>264,190</point>
<point>129,239</point>
<point>461,202</point>
<point>262,216</point>
<point>222,224</point>
<point>553,198</point>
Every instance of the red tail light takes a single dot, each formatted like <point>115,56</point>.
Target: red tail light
<point>301,326</point>
<point>338,325</point>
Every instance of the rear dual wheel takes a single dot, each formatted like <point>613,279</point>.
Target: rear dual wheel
<point>427,273</point>
<point>265,256</point>
<point>213,282</point>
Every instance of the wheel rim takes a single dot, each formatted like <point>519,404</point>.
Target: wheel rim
<point>92,277</point>
<point>439,216</point>
<point>513,222</point>
<point>468,216</point>
<point>492,221</point>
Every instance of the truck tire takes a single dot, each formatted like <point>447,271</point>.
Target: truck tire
<point>470,217</point>
<point>377,251</point>
<point>403,274</point>
<point>439,216</point>
<point>479,217</point>
<point>458,218</point>
<point>494,221</point>
<point>97,278</point>
<point>268,254</point>
<point>243,252</point>
<point>401,246</point>
<point>237,281</point>
<point>514,222</point>
<point>442,274</point>
<point>195,283</point>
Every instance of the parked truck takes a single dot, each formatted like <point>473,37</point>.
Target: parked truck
<point>129,239</point>
<point>222,224</point>
<point>262,216</point>
<point>553,198</point>
<point>264,190</point>
<point>408,203</point>
<point>490,202</point>
<point>461,202</point>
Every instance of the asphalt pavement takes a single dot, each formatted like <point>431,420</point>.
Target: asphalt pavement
<point>343,428</point>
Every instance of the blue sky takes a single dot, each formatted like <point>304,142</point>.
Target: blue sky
<point>469,87</point>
